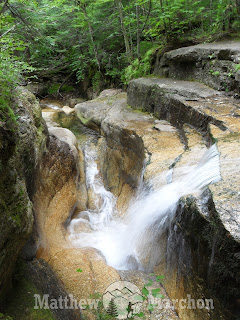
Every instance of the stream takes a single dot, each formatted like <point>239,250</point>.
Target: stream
<point>127,242</point>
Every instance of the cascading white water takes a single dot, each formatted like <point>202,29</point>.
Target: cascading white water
<point>104,200</point>
<point>128,242</point>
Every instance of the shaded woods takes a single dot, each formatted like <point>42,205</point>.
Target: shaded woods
<point>102,40</point>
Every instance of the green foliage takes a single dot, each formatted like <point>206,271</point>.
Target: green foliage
<point>237,67</point>
<point>154,292</point>
<point>215,73</point>
<point>4,317</point>
<point>87,39</point>
<point>12,69</point>
<point>54,88</point>
<point>138,68</point>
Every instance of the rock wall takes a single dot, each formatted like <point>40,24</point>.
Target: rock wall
<point>22,146</point>
<point>215,64</point>
<point>121,151</point>
<point>57,185</point>
<point>169,100</point>
<point>205,253</point>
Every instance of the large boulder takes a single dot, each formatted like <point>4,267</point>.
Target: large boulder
<point>215,64</point>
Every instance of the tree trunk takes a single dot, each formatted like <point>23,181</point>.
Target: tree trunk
<point>169,20</point>
<point>211,17</point>
<point>148,14</point>
<point>125,35</point>
<point>92,38</point>
<point>138,33</point>
<point>238,6</point>
<point>164,21</point>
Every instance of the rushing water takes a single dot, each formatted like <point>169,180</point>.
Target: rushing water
<point>128,242</point>
<point>52,104</point>
<point>104,200</point>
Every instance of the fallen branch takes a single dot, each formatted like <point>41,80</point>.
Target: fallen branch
<point>64,81</point>
<point>9,30</point>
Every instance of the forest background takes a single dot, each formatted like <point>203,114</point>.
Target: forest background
<point>107,41</point>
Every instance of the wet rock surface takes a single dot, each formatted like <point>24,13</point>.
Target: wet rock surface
<point>61,190</point>
<point>169,127</point>
<point>214,117</point>
<point>44,278</point>
<point>182,124</point>
<point>130,139</point>
<point>171,100</point>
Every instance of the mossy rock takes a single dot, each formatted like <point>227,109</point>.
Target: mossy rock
<point>20,303</point>
<point>5,317</point>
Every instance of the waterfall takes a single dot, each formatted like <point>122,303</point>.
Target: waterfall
<point>129,242</point>
<point>104,200</point>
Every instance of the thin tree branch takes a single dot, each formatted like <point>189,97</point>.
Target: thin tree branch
<point>15,13</point>
<point>2,35</point>
<point>149,10</point>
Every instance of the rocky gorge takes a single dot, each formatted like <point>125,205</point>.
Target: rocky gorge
<point>160,127</point>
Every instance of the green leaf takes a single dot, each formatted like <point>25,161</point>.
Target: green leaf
<point>149,284</point>
<point>160,278</point>
<point>145,291</point>
<point>140,314</point>
<point>79,270</point>
<point>150,307</point>
<point>159,296</point>
<point>154,291</point>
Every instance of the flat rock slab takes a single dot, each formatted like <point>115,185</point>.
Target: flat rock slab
<point>168,100</point>
<point>187,89</point>
<point>215,64</point>
<point>226,50</point>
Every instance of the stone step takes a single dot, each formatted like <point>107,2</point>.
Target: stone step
<point>215,64</point>
<point>184,102</point>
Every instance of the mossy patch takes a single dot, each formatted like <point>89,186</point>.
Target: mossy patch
<point>67,88</point>
<point>5,317</point>
<point>84,121</point>
<point>139,111</point>
<point>54,88</point>
<point>20,303</point>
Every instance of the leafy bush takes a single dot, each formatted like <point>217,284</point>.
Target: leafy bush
<point>11,70</point>
<point>138,68</point>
